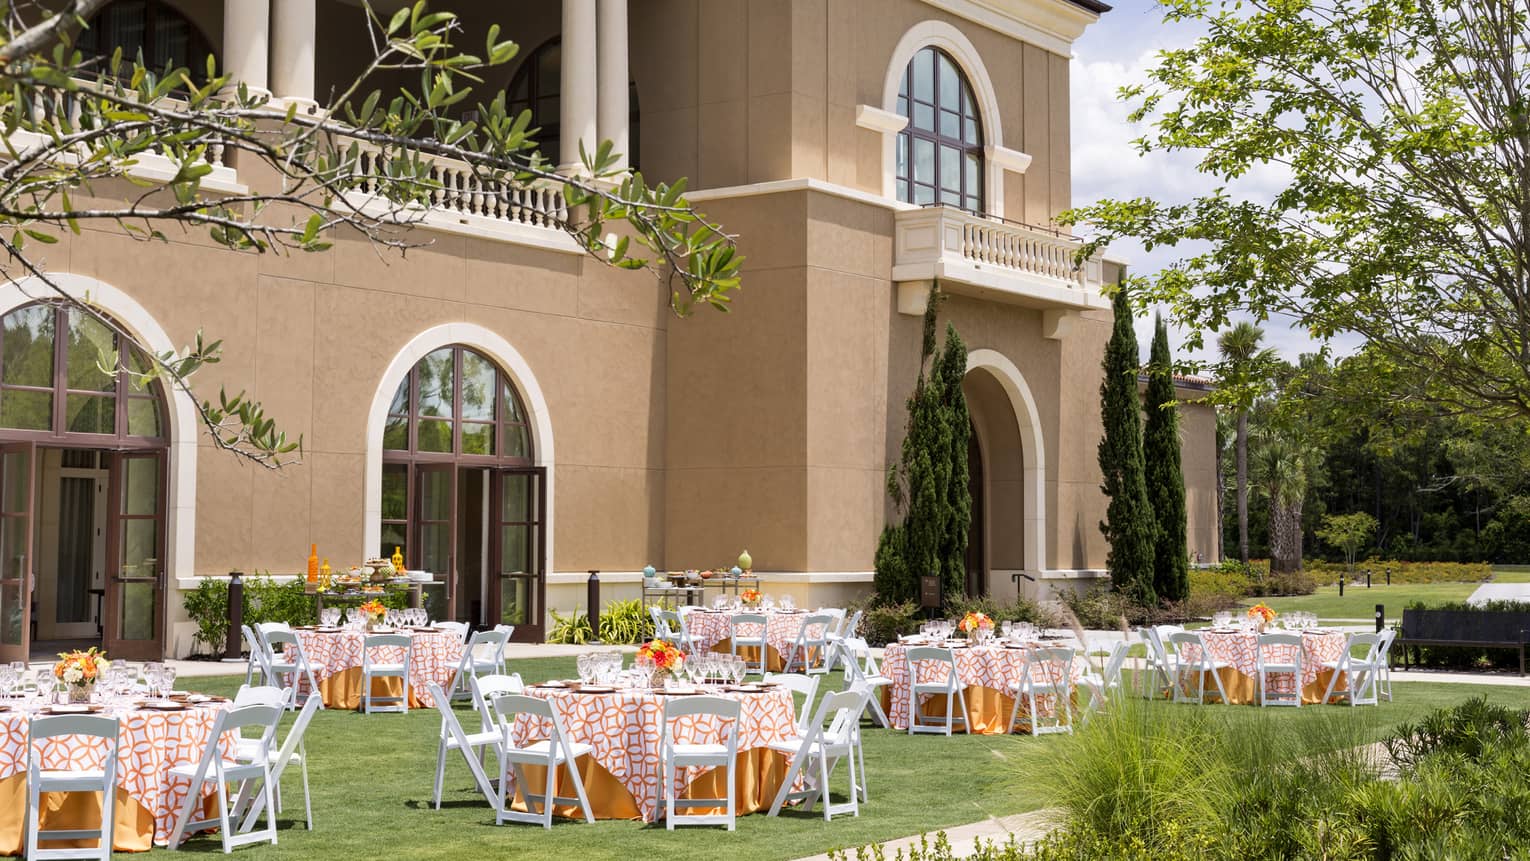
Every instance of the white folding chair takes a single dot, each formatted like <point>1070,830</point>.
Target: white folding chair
<point>288,665</point>
<point>1045,673</point>
<point>460,740</point>
<point>255,669</point>
<point>508,631</point>
<point>461,629</point>
<point>550,753</point>
<point>947,685</point>
<point>487,737</point>
<point>1108,681</point>
<point>385,670</point>
<point>1191,657</point>
<point>861,668</point>
<point>810,651</point>
<point>666,624</point>
<point>102,780</point>
<point>1162,669</point>
<point>212,767</point>
<point>676,755</point>
<point>1359,674</point>
<point>483,654</point>
<point>260,695</point>
<point>797,683</point>
<point>1384,679</point>
<point>687,643</point>
<point>829,736</point>
<point>847,628</point>
<point>292,750</point>
<point>1268,661</point>
<point>742,629</point>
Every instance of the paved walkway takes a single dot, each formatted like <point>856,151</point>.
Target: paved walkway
<point>1500,592</point>
<point>1023,827</point>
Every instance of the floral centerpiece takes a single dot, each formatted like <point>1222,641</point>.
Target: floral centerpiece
<point>375,612</point>
<point>977,626</point>
<point>750,597</point>
<point>1261,615</point>
<point>665,658</point>
<point>79,670</point>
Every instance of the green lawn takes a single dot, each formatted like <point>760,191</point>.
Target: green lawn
<point>372,781</point>
<point>1511,574</point>
<point>1359,602</point>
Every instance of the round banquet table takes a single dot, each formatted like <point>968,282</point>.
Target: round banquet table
<point>152,742</point>
<point>1239,650</point>
<point>711,630</point>
<point>622,776</point>
<point>987,673</point>
<point>336,659</point>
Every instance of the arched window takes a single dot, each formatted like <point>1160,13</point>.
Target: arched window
<point>159,30</point>
<point>458,405</point>
<point>56,388</point>
<point>940,151</point>
<point>537,86</point>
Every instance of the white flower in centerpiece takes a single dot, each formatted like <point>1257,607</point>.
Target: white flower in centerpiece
<point>74,675</point>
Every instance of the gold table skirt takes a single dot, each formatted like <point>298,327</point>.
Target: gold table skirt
<point>988,710</point>
<point>133,830</point>
<point>1244,689</point>
<point>758,773</point>
<point>774,662</point>
<point>343,690</point>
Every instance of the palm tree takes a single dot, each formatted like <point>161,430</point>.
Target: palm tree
<point>1244,366</point>
<point>1281,472</point>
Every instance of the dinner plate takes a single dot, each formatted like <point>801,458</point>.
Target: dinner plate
<point>747,689</point>
<point>162,705</point>
<point>72,709</point>
<point>678,692</point>
<point>595,689</point>
<point>553,684</point>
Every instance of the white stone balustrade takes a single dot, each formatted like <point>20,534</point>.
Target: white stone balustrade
<point>997,260</point>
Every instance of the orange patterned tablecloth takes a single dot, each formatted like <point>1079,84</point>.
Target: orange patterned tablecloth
<point>988,673</point>
<point>151,743</point>
<point>624,729</point>
<point>711,631</point>
<point>1240,651</point>
<point>336,659</point>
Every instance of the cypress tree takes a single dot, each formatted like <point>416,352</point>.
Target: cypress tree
<point>1129,525</point>
<point>929,484</point>
<point>952,369</point>
<point>1165,478</point>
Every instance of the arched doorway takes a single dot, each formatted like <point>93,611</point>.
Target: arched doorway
<point>84,456</point>
<point>1006,475</point>
<point>462,488</point>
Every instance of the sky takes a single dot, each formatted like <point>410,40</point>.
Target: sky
<point>1115,51</point>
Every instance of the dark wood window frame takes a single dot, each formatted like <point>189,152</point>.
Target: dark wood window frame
<point>504,421</point>
<point>968,189</point>
<point>539,87</point>
<point>122,393</point>
<point>154,10</point>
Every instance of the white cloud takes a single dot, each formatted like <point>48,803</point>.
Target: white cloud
<point>1117,52</point>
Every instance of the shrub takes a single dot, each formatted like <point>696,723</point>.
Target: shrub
<point>884,623</point>
<point>1327,573</point>
<point>571,630</point>
<point>625,622</point>
<point>1468,730</point>
<point>1021,610</point>
<point>207,605</point>
<point>1284,583</point>
<point>265,600</point>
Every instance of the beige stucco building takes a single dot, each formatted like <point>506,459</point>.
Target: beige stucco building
<point>825,133</point>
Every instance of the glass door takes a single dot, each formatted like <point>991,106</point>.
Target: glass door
<point>435,534</point>
<point>135,592</point>
<point>516,558</point>
<point>16,463</point>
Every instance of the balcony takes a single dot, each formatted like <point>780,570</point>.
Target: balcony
<point>461,202</point>
<point>999,261</point>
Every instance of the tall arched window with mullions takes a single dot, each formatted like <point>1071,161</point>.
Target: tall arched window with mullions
<point>155,28</point>
<point>538,86</point>
<point>940,151</point>
<point>461,497</point>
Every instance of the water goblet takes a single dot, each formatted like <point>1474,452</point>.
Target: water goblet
<point>583,663</point>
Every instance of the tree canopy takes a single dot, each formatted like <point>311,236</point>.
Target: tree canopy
<point>1400,132</point>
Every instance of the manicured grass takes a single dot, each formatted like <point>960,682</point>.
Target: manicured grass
<point>1359,602</point>
<point>371,779</point>
<point>1511,574</point>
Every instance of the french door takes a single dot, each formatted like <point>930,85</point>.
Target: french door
<point>517,557</point>
<point>135,552</point>
<point>434,547</point>
<point>16,467</point>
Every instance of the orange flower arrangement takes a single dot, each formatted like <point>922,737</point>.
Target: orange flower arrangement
<point>1262,611</point>
<point>975,621</point>
<point>750,597</point>
<point>374,610</point>
<point>81,668</point>
<point>665,656</point>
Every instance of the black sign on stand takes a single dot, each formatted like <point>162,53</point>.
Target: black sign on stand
<point>929,593</point>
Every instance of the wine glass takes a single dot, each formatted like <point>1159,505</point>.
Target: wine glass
<point>583,664</point>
